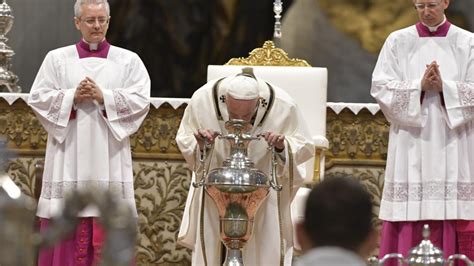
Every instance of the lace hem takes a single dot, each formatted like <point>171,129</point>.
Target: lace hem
<point>403,192</point>
<point>401,99</point>
<point>466,99</point>
<point>57,190</point>
<point>54,111</point>
<point>124,113</point>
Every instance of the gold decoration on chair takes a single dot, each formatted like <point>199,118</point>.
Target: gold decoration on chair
<point>268,55</point>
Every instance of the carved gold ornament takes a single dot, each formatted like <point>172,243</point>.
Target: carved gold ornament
<point>268,55</point>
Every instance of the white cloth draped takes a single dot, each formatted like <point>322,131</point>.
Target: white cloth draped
<point>430,164</point>
<point>91,151</point>
<point>264,246</point>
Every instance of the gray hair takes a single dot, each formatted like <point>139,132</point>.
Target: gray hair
<point>79,3</point>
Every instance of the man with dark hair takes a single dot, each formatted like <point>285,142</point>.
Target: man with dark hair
<point>337,228</point>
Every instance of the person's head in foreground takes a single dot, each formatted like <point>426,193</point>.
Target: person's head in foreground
<point>338,213</point>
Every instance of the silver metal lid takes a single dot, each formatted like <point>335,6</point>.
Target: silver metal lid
<point>425,253</point>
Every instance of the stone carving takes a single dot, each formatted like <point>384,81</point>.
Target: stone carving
<point>356,139</point>
<point>160,191</point>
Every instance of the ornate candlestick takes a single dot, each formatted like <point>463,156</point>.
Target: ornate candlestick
<point>277,8</point>
<point>8,80</point>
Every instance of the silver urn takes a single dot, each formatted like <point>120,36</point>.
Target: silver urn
<point>238,189</point>
<point>425,254</point>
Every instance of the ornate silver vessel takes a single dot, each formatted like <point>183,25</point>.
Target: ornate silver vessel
<point>8,80</point>
<point>238,189</point>
<point>425,254</point>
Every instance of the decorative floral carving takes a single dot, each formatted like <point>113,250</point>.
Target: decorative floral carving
<point>21,128</point>
<point>268,55</point>
<point>356,139</point>
<point>23,172</point>
<point>157,133</point>
<point>160,192</point>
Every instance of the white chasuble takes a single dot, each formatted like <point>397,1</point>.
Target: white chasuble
<point>88,144</point>
<point>272,239</point>
<point>430,165</point>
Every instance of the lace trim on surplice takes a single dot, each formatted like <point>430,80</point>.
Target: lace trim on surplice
<point>124,113</point>
<point>401,99</point>
<point>466,99</point>
<point>55,110</point>
<point>57,190</point>
<point>404,192</point>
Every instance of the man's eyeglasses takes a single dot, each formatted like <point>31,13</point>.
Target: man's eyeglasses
<point>91,21</point>
<point>431,5</point>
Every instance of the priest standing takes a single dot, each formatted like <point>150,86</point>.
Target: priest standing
<point>277,118</point>
<point>90,97</point>
<point>424,84</point>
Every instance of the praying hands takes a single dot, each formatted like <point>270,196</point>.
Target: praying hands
<point>88,90</point>
<point>432,78</point>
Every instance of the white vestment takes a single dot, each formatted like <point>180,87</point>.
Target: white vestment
<point>92,150</point>
<point>270,244</point>
<point>430,165</point>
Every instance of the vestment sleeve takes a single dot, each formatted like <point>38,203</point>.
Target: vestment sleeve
<point>51,103</point>
<point>398,99</point>
<point>459,95</point>
<point>127,107</point>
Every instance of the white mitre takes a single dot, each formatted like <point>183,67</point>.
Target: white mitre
<point>241,87</point>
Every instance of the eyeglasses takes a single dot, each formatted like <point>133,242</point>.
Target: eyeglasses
<point>431,5</point>
<point>91,21</point>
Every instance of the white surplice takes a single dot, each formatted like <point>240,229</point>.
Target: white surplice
<point>91,150</point>
<point>430,165</point>
<point>277,112</point>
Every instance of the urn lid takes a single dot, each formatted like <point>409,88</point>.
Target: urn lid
<point>5,9</point>
<point>425,253</point>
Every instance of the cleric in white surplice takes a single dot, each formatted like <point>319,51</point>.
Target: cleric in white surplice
<point>90,97</point>
<point>424,84</point>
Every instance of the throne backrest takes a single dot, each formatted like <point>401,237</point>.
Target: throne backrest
<point>307,85</point>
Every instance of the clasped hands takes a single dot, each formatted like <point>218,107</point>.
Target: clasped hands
<point>432,78</point>
<point>207,136</point>
<point>87,90</point>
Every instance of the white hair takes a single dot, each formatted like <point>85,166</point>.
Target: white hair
<point>79,3</point>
